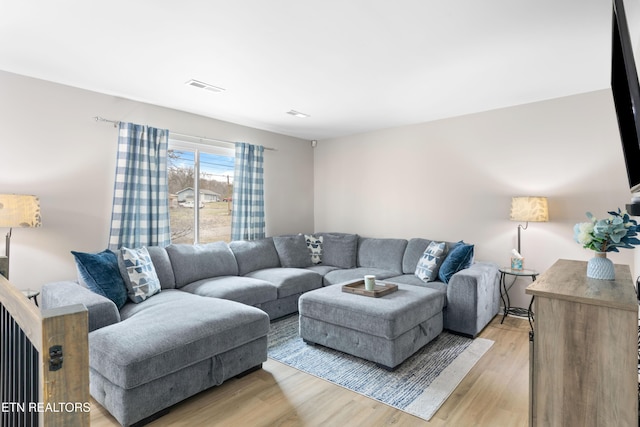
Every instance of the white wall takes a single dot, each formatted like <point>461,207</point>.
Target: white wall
<point>51,146</point>
<point>453,179</point>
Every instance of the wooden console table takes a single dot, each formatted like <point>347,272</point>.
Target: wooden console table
<point>583,353</point>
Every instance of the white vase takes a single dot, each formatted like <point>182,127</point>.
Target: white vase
<point>601,267</point>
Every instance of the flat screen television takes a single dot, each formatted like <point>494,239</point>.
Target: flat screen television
<point>626,93</point>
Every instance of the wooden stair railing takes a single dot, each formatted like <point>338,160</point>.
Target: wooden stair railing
<point>44,363</point>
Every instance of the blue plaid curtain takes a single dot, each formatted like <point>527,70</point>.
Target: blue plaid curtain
<point>247,221</point>
<point>140,215</point>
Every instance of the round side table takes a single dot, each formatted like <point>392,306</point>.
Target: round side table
<point>32,295</point>
<point>504,295</point>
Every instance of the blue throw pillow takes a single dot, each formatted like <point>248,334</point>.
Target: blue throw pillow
<point>459,258</point>
<point>101,275</point>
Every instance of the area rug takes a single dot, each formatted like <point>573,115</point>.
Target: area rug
<point>419,386</point>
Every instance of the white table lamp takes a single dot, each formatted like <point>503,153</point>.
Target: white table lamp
<point>528,209</point>
<point>17,210</point>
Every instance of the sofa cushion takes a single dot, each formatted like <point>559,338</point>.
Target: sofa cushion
<point>413,253</point>
<point>141,279</point>
<point>322,269</point>
<point>411,279</point>
<point>314,244</point>
<point>427,268</point>
<point>292,251</point>
<point>459,258</point>
<point>253,255</point>
<point>386,254</point>
<point>340,250</point>
<point>191,263</point>
<point>289,281</point>
<point>168,332</point>
<point>162,264</point>
<point>99,272</point>
<point>246,290</point>
<point>347,275</point>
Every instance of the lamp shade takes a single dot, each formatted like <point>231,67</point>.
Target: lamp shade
<point>533,209</point>
<point>19,210</point>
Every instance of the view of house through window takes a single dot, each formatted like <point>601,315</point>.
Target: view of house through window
<point>200,209</point>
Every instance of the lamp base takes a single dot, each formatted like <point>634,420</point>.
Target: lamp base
<point>4,266</point>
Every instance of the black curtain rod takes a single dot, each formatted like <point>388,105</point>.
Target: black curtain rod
<point>116,123</point>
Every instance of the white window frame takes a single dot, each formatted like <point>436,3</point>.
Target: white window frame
<point>216,148</point>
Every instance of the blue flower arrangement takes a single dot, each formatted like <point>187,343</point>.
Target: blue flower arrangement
<point>607,235</point>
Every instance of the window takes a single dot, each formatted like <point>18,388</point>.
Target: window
<point>200,209</point>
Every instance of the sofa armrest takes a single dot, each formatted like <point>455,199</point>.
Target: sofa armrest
<point>473,298</point>
<point>102,311</point>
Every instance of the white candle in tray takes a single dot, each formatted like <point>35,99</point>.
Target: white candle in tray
<point>369,282</point>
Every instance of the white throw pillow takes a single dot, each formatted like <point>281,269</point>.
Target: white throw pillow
<point>315,247</point>
<point>429,263</point>
<point>143,281</point>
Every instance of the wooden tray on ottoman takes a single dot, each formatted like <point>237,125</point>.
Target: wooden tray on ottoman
<point>381,289</point>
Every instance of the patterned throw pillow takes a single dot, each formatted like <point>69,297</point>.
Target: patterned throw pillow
<point>315,247</point>
<point>429,263</point>
<point>143,281</point>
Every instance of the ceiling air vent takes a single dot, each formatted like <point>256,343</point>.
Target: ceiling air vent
<point>297,113</point>
<point>205,86</point>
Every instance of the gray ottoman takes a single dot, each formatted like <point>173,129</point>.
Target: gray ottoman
<point>385,330</point>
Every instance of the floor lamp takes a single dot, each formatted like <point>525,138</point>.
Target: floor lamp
<point>526,209</point>
<point>16,210</point>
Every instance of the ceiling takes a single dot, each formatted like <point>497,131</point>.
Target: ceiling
<point>351,65</point>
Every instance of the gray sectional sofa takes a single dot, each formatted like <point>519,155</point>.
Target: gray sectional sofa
<point>210,320</point>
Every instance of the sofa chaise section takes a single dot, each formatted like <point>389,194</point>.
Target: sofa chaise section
<point>148,356</point>
<point>171,347</point>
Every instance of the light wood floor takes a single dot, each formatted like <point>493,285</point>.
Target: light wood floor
<point>494,393</point>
